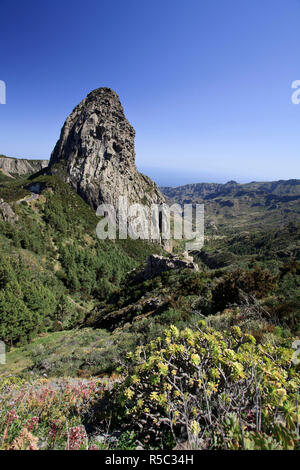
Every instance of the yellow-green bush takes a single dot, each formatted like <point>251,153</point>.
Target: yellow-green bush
<point>211,390</point>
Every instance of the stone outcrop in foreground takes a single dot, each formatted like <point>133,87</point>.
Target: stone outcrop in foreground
<point>95,154</point>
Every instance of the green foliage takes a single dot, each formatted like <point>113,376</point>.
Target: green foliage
<point>12,190</point>
<point>42,415</point>
<point>136,298</point>
<point>215,386</point>
<point>33,300</point>
<point>3,178</point>
<point>16,320</point>
<point>222,389</point>
<point>231,287</point>
<point>94,270</point>
<point>62,268</point>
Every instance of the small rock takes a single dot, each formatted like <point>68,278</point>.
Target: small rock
<point>157,264</point>
<point>6,212</point>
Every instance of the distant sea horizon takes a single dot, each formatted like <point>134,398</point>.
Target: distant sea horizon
<point>165,177</point>
<point>173,178</point>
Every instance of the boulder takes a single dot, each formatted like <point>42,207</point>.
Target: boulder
<point>157,264</point>
<point>6,213</point>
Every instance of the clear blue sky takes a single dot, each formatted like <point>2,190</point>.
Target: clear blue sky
<point>206,84</point>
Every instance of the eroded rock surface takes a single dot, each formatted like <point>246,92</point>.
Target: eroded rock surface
<point>157,264</point>
<point>96,155</point>
<point>20,166</point>
<point>6,212</point>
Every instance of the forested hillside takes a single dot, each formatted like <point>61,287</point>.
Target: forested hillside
<point>82,324</point>
<point>53,267</point>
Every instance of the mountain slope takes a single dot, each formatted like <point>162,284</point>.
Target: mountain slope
<point>20,166</point>
<point>233,206</point>
<point>53,267</point>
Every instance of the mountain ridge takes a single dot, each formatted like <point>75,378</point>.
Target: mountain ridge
<point>248,206</point>
<point>12,166</point>
<point>204,189</point>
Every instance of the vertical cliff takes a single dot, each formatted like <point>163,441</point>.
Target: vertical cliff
<point>96,155</point>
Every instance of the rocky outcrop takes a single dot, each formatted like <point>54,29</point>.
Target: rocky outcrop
<point>6,213</point>
<point>95,153</point>
<point>157,264</point>
<point>20,166</point>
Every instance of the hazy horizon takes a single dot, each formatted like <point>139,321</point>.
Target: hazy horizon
<point>168,178</point>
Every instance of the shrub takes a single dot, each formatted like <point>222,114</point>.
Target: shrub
<point>41,415</point>
<point>213,390</point>
<point>230,289</point>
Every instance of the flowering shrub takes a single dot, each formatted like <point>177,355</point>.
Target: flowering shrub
<point>195,388</point>
<point>211,390</point>
<point>45,414</point>
<point>77,438</point>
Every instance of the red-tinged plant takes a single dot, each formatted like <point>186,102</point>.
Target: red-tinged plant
<point>77,438</point>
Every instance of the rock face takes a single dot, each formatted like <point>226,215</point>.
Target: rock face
<point>157,264</point>
<point>95,153</point>
<point>6,213</point>
<point>19,167</point>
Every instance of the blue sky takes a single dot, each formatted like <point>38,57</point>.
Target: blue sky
<point>206,84</point>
